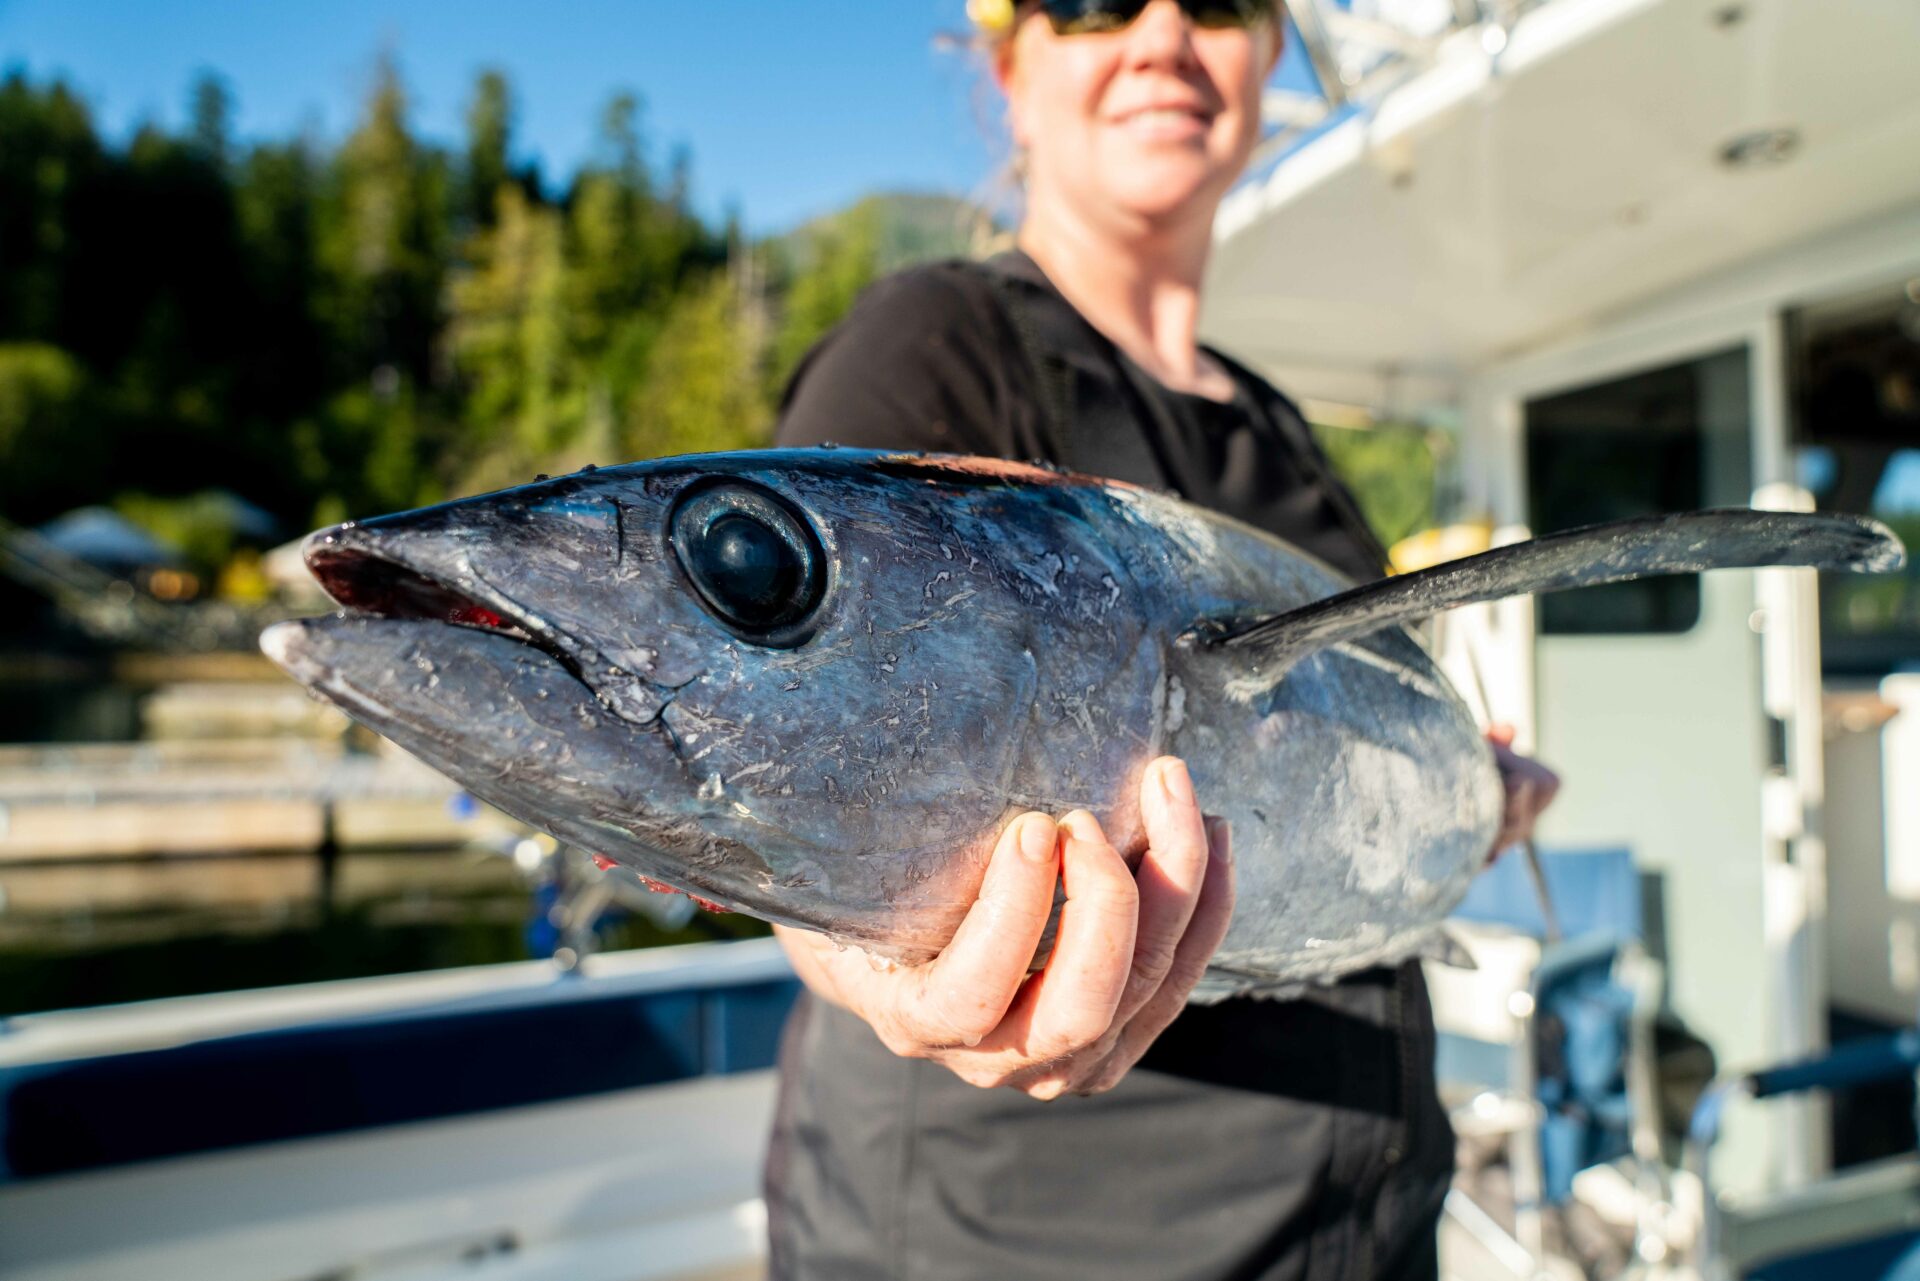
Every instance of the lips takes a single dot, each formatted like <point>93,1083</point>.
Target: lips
<point>1172,113</point>
<point>1168,111</point>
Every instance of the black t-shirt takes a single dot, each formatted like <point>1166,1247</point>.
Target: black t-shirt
<point>1258,1140</point>
<point>930,359</point>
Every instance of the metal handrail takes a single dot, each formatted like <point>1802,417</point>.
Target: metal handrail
<point>1338,43</point>
<point>1853,1064</point>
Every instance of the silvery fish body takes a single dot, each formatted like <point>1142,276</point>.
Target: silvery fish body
<point>814,685</point>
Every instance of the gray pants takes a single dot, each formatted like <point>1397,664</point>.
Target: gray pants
<point>1258,1141</point>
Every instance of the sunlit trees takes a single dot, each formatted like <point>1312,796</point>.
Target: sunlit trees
<point>513,341</point>
<point>489,146</point>
<point>335,330</point>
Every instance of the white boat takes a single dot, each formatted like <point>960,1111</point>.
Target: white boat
<point>1623,250</point>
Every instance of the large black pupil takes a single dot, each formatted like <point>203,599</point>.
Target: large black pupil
<point>749,568</point>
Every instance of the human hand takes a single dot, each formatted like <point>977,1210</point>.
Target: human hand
<point>1530,788</point>
<point>1129,948</point>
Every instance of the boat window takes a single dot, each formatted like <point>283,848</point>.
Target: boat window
<point>1661,440</point>
<point>1854,366</point>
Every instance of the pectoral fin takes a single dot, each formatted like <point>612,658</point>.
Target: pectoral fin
<point>1442,947</point>
<point>1686,543</point>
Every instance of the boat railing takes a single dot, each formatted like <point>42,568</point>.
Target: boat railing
<point>115,1086</point>
<point>1361,50</point>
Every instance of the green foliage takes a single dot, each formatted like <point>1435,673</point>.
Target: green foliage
<point>489,145</point>
<point>200,526</point>
<point>702,388</point>
<point>40,415</point>
<point>38,386</point>
<point>511,334</point>
<point>338,331</point>
<point>838,259</point>
<point>1391,469</point>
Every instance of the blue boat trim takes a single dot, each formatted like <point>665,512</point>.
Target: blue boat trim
<point>568,1040</point>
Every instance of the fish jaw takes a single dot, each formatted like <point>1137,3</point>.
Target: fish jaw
<point>520,731</point>
<point>510,723</point>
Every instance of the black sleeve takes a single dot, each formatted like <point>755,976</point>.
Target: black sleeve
<point>919,363</point>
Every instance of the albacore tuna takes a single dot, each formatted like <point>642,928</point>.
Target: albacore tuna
<point>813,685</point>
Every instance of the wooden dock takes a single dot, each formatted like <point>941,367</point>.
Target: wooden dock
<point>222,796</point>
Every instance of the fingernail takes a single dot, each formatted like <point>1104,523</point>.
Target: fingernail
<point>1175,783</point>
<point>1220,839</point>
<point>1036,839</point>
<point>1080,825</point>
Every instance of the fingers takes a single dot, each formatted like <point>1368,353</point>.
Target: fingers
<point>1128,950</point>
<point>1186,897</point>
<point>963,994</point>
<point>1211,917</point>
<point>1071,1003</point>
<point>1170,878</point>
<point>1530,788</point>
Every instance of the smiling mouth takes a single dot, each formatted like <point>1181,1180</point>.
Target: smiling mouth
<point>1167,115</point>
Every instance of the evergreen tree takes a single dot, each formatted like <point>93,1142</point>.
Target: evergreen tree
<point>489,141</point>
<point>513,340</point>
<point>383,240</point>
<point>211,109</point>
<point>703,388</point>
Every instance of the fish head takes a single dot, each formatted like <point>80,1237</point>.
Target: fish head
<point>809,684</point>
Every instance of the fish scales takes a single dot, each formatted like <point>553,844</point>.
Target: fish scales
<point>814,685</point>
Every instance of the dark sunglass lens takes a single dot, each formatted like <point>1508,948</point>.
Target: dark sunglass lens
<point>1083,17</point>
<point>1220,14</point>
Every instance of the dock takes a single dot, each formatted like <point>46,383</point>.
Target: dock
<point>182,797</point>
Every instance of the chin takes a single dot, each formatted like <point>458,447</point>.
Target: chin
<point>1167,200</point>
<point>1164,186</point>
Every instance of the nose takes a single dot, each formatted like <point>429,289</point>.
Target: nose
<point>1161,36</point>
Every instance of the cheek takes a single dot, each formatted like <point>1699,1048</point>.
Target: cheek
<point>1060,92</point>
<point>1236,73</point>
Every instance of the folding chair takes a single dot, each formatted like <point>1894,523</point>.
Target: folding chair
<point>1861,1224</point>
<point>1553,1038</point>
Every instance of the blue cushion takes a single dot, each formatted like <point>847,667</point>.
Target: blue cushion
<point>1889,1258</point>
<point>1594,891</point>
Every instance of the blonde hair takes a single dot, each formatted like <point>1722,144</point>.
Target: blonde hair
<point>993,21</point>
<point>1001,195</point>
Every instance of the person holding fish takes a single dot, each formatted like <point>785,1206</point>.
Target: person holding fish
<point>1122,1132</point>
<point>820,686</point>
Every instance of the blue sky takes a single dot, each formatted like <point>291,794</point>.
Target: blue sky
<point>790,107</point>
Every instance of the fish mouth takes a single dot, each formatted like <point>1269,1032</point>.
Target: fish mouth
<point>367,584</point>
<point>441,621</point>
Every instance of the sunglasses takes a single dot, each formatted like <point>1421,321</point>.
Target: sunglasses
<point>1084,17</point>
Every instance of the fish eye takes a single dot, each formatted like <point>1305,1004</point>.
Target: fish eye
<point>754,562</point>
